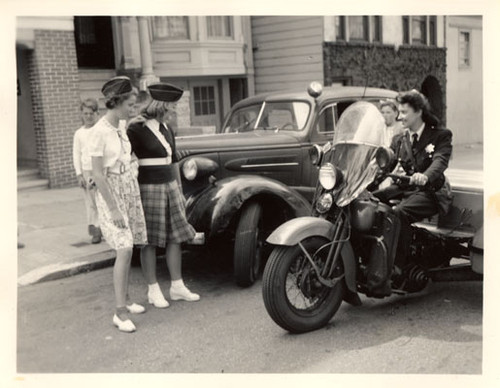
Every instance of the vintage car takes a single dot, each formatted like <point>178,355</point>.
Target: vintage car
<point>256,173</point>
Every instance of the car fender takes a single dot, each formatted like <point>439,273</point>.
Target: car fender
<point>213,209</point>
<point>293,231</point>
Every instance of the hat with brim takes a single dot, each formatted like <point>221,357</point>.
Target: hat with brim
<point>117,86</point>
<point>163,91</point>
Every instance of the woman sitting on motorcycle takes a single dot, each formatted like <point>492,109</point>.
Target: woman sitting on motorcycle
<point>423,151</point>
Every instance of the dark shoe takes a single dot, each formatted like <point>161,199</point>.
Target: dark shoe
<point>97,236</point>
<point>91,230</point>
<point>381,291</point>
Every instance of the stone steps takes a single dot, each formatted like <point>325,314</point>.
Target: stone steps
<point>29,180</point>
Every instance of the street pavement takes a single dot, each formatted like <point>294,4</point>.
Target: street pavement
<point>52,226</point>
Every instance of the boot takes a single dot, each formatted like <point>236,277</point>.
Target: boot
<point>97,235</point>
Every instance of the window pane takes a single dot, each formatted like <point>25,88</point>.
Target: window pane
<point>464,49</point>
<point>357,28</point>
<point>171,27</point>
<point>376,28</point>
<point>432,31</point>
<point>211,107</point>
<point>219,27</point>
<point>197,108</point>
<point>406,29</point>
<point>340,27</point>
<point>418,31</point>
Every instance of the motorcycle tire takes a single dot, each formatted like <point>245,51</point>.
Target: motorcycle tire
<point>275,290</point>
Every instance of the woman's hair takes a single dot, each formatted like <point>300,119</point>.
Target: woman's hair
<point>90,103</point>
<point>418,102</point>
<point>155,109</point>
<point>391,104</point>
<point>114,101</point>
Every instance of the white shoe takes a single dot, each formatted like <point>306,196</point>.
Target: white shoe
<point>155,296</point>
<point>183,293</point>
<point>125,326</point>
<point>135,308</point>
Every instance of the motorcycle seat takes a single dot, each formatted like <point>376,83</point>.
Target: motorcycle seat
<point>462,233</point>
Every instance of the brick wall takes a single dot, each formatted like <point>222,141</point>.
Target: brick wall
<point>385,66</point>
<point>54,84</point>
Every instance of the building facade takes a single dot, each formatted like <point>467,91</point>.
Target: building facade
<point>218,60</point>
<point>395,52</point>
<point>208,56</point>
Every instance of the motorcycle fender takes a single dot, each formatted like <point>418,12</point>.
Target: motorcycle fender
<point>212,210</point>
<point>292,232</point>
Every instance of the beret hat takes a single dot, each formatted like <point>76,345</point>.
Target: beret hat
<point>116,86</point>
<point>163,91</point>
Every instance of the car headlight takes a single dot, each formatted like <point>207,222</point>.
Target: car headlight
<point>190,169</point>
<point>315,154</point>
<point>328,176</point>
<point>324,203</point>
<point>384,157</point>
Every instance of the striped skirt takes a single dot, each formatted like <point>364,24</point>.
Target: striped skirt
<point>165,213</point>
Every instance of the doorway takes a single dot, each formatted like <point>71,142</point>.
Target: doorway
<point>432,90</point>
<point>26,138</point>
<point>205,102</point>
<point>94,42</point>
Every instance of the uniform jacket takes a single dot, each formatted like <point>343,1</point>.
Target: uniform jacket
<point>431,157</point>
<point>146,145</point>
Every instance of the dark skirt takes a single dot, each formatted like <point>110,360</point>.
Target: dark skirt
<point>165,213</point>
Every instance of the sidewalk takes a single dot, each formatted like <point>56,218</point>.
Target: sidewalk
<point>52,226</point>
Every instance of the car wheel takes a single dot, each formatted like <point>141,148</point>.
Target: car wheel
<point>248,245</point>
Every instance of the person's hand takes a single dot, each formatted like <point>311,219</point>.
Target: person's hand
<point>81,181</point>
<point>418,179</point>
<point>117,218</point>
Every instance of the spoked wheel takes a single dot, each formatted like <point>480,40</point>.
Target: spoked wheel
<point>294,297</point>
<point>248,245</point>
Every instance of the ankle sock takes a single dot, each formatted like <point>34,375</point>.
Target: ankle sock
<point>177,283</point>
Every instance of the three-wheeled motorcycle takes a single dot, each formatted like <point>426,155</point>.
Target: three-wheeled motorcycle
<point>320,260</point>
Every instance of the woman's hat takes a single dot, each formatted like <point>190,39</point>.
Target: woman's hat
<point>163,91</point>
<point>116,86</point>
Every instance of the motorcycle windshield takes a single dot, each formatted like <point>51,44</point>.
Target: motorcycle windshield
<point>359,132</point>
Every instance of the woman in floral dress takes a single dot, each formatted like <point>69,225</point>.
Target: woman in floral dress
<point>118,198</point>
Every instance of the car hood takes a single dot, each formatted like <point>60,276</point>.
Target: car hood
<point>234,141</point>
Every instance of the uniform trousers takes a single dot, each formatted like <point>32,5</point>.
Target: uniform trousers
<point>415,205</point>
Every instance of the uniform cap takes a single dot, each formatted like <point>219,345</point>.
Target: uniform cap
<point>165,92</point>
<point>117,86</point>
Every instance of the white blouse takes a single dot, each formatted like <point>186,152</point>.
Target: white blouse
<point>110,143</point>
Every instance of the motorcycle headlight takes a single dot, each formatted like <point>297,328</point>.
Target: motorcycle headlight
<point>190,169</point>
<point>324,203</point>
<point>328,176</point>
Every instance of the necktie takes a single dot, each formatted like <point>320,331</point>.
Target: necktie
<point>414,143</point>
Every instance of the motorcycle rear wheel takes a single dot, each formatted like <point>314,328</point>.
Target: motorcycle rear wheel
<point>293,296</point>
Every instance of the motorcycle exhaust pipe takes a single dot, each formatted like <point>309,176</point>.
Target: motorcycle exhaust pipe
<point>454,273</point>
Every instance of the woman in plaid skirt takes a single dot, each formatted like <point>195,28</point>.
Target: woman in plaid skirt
<point>164,206</point>
<point>118,199</point>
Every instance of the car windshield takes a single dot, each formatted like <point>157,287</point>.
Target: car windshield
<point>283,115</point>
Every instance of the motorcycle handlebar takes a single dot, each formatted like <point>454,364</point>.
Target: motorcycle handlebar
<point>402,178</point>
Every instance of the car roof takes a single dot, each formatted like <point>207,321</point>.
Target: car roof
<point>327,94</point>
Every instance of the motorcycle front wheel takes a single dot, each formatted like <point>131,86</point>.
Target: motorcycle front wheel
<point>293,295</point>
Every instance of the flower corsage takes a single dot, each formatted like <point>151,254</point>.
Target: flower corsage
<point>430,149</point>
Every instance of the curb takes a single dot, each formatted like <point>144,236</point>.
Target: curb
<point>63,270</point>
